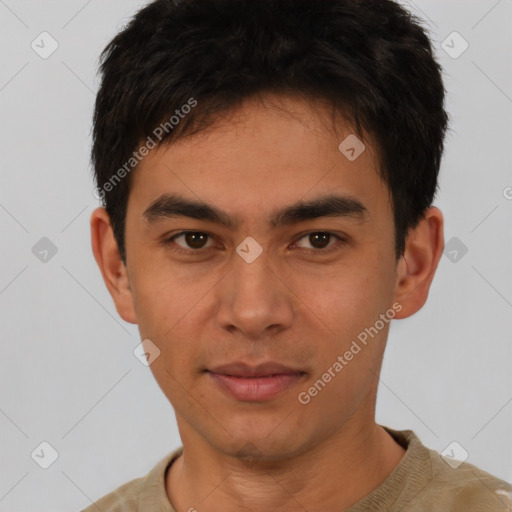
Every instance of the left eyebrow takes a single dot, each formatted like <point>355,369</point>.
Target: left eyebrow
<point>325,206</point>
<point>172,205</point>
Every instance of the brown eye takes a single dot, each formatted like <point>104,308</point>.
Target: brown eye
<point>193,240</point>
<point>320,241</point>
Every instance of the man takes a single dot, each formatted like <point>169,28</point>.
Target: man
<point>268,170</point>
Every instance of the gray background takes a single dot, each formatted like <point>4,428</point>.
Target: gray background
<point>67,373</point>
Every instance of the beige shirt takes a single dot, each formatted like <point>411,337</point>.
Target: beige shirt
<point>422,481</point>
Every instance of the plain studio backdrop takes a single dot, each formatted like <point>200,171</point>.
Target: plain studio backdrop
<point>68,374</point>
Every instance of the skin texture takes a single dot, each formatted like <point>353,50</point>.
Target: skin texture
<point>291,305</point>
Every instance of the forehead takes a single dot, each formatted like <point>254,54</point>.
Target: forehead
<point>264,155</point>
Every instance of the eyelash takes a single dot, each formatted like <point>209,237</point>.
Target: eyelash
<point>169,242</point>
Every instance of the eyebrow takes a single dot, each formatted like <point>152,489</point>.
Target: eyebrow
<point>172,205</point>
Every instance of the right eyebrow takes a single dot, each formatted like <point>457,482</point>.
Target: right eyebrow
<point>171,205</point>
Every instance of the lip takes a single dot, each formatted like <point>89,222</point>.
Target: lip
<point>255,383</point>
<point>240,369</point>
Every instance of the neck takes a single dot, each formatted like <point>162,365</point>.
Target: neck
<point>334,475</point>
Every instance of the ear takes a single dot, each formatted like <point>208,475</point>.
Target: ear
<point>113,270</point>
<point>417,266</point>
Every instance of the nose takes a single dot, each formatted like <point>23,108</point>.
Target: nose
<point>254,300</point>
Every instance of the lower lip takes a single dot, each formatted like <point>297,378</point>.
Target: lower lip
<point>256,389</point>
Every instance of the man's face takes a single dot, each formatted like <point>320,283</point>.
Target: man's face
<point>300,303</point>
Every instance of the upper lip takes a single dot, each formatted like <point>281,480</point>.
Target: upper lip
<point>240,369</point>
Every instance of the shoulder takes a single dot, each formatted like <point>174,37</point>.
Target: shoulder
<point>139,494</point>
<point>465,487</point>
<point>125,498</point>
<point>428,482</point>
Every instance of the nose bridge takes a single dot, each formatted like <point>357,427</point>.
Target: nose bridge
<point>252,298</point>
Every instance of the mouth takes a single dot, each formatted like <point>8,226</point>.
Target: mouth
<point>255,383</point>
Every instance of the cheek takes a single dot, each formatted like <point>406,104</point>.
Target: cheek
<point>170,306</point>
<point>344,308</point>
<point>165,294</point>
<point>345,301</point>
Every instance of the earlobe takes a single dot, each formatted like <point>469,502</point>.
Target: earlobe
<point>107,256</point>
<point>417,266</point>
